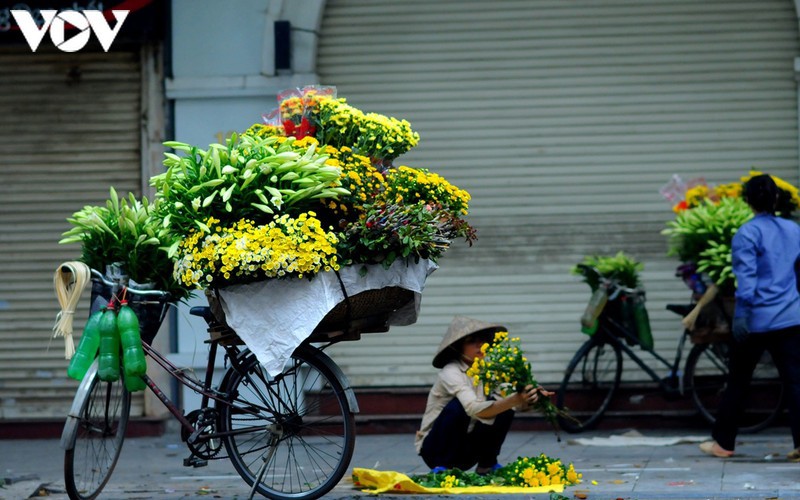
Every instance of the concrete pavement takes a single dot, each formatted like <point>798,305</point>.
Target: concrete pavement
<point>637,469</point>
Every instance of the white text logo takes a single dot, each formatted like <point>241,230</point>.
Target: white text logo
<point>85,22</point>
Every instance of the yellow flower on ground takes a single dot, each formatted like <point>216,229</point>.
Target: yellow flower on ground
<point>449,482</point>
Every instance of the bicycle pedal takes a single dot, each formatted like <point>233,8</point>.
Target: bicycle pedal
<point>194,462</point>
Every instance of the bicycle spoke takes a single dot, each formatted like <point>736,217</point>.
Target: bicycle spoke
<point>99,432</point>
<point>305,433</point>
<point>589,384</point>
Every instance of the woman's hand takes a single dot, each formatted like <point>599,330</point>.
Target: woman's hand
<point>522,401</point>
<point>530,395</point>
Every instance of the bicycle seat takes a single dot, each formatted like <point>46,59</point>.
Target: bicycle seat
<point>680,309</point>
<point>202,311</point>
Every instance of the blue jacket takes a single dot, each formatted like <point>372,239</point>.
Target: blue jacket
<point>764,253</point>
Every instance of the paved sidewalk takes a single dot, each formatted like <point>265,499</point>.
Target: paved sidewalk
<point>152,468</point>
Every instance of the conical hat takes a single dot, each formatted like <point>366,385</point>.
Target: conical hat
<point>460,327</point>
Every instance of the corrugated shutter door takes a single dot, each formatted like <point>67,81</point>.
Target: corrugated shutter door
<point>563,120</point>
<point>69,130</point>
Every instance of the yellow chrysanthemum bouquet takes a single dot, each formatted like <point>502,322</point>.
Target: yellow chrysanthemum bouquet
<point>244,251</point>
<point>505,369</point>
<point>381,138</point>
<point>539,471</point>
<point>526,472</point>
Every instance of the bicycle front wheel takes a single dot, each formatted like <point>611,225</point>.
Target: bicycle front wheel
<point>589,384</point>
<point>93,434</point>
<point>292,435</point>
<point>706,376</point>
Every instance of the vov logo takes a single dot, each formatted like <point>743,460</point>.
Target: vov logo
<point>85,22</point>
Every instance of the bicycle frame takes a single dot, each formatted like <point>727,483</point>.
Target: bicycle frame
<point>299,423</point>
<point>613,332</point>
<point>208,393</point>
<point>204,389</point>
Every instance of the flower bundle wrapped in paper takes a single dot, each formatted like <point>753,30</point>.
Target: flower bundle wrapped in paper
<point>299,107</point>
<point>505,369</point>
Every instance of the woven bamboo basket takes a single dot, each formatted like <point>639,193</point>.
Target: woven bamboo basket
<point>365,312</point>
<point>714,322</point>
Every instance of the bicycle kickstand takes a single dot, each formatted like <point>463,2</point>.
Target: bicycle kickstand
<point>273,441</point>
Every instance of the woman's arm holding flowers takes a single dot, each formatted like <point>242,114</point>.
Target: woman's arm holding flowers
<point>532,394</point>
<point>504,368</point>
<point>519,400</point>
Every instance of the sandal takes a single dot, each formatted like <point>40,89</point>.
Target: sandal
<point>715,450</point>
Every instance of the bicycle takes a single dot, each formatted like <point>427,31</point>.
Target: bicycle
<point>289,437</point>
<point>594,374</point>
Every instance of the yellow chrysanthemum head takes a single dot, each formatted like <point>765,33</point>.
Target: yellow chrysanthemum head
<point>696,195</point>
<point>244,251</point>
<point>730,190</point>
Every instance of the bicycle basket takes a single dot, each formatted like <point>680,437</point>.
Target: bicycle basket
<point>630,313</point>
<point>370,308</point>
<point>713,322</point>
<point>151,311</point>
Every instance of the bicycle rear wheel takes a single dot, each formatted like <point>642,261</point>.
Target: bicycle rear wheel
<point>590,381</point>
<point>291,435</point>
<point>93,434</point>
<point>706,376</point>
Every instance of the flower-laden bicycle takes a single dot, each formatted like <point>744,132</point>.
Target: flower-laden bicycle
<point>311,200</point>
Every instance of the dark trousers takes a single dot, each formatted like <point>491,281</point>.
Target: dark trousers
<point>784,346</point>
<point>449,445</point>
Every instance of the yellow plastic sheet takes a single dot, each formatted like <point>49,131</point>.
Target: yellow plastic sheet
<point>373,481</point>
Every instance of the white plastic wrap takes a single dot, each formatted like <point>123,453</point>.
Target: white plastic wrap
<point>273,317</point>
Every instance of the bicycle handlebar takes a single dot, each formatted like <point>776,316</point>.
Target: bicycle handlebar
<point>613,285</point>
<point>137,291</point>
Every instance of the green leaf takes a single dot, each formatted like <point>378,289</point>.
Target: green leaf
<point>263,208</point>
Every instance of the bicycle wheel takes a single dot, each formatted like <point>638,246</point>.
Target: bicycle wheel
<point>706,375</point>
<point>93,434</point>
<point>590,381</point>
<point>291,435</point>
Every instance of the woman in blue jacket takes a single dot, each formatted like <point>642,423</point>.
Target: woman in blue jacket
<point>767,315</point>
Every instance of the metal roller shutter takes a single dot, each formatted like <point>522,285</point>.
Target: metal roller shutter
<point>69,130</point>
<point>563,120</point>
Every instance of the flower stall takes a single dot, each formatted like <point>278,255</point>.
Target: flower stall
<point>706,218</point>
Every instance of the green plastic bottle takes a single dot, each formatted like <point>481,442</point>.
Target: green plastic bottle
<point>133,360</point>
<point>590,330</point>
<point>87,347</point>
<point>108,361</point>
<point>594,308</point>
<point>642,320</point>
<point>133,384</point>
